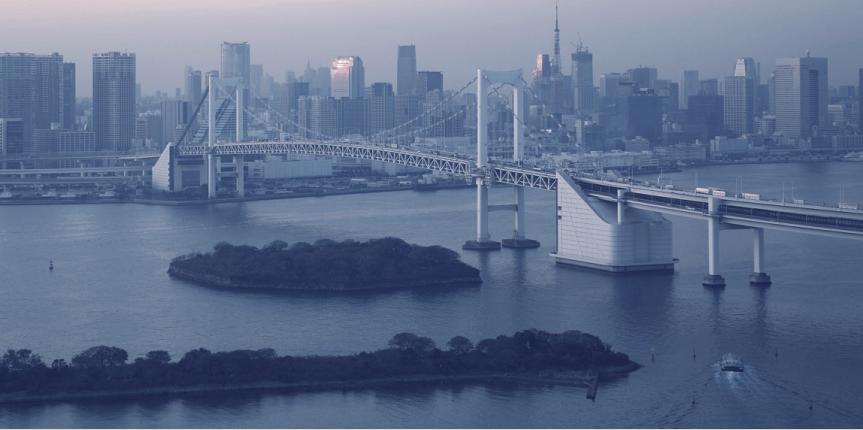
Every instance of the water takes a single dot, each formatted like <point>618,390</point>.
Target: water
<point>109,287</point>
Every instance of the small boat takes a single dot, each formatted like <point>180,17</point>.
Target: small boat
<point>51,265</point>
<point>731,363</point>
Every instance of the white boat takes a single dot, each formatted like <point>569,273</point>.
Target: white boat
<point>49,194</point>
<point>5,194</point>
<point>731,363</point>
<point>107,194</point>
<point>68,195</point>
<point>854,156</point>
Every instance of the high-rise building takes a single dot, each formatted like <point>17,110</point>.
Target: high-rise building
<point>352,116</point>
<point>428,81</point>
<point>708,87</point>
<point>175,116</point>
<point>381,107</point>
<point>32,89</point>
<point>542,69</point>
<point>801,95</point>
<point>643,117</point>
<point>860,101</point>
<point>321,86</point>
<point>706,116</point>
<point>407,109</point>
<point>114,100</point>
<point>11,136</point>
<point>691,85</point>
<point>69,96</point>
<point>76,141</point>
<point>236,62</point>
<point>582,74</point>
<point>192,87</point>
<point>406,74</point>
<point>738,93</point>
<point>347,77</point>
<point>256,76</point>
<point>643,77</point>
<point>317,116</point>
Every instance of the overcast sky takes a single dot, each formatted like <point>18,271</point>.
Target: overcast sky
<point>454,36</point>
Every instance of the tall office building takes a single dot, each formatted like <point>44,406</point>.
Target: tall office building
<point>801,95</point>
<point>236,62</point>
<point>706,116</point>
<point>691,85</point>
<point>69,96</point>
<point>428,81</point>
<point>317,115</point>
<point>643,117</point>
<point>347,77</point>
<point>114,100</point>
<point>256,77</point>
<point>175,116</point>
<point>192,91</point>
<point>582,74</point>
<point>708,87</point>
<point>406,75</point>
<point>32,89</point>
<point>381,107</point>
<point>860,101</point>
<point>738,93</point>
<point>643,77</point>
<point>11,136</point>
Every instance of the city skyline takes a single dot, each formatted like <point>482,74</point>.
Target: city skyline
<point>279,35</point>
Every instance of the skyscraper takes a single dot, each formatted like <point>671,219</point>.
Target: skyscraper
<point>429,81</point>
<point>582,74</point>
<point>738,93</point>
<point>347,77</point>
<point>175,114</point>
<point>860,101</point>
<point>643,117</point>
<point>192,87</point>
<point>236,62</point>
<point>69,96</point>
<point>381,107</point>
<point>643,77</point>
<point>406,75</point>
<point>32,89</point>
<point>801,95</point>
<point>691,85</point>
<point>114,100</point>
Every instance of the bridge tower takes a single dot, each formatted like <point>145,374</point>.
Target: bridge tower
<point>483,241</point>
<point>212,161</point>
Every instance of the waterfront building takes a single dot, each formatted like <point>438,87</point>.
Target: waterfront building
<point>114,100</point>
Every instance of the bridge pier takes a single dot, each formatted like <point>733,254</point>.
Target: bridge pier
<point>211,136</point>
<point>240,169</point>
<point>713,279</point>
<point>758,277</point>
<point>483,240</point>
<point>519,239</point>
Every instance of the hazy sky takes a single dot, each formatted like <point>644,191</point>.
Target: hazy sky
<point>454,36</point>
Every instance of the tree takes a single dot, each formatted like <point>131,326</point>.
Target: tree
<point>410,341</point>
<point>460,345</point>
<point>276,245</point>
<point>99,357</point>
<point>20,360</point>
<point>161,357</point>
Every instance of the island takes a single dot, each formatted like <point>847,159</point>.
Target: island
<point>529,356</point>
<point>326,265</point>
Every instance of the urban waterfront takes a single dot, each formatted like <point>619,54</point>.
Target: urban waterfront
<point>801,337</point>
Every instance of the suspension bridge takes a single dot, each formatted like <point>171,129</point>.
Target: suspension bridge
<point>614,225</point>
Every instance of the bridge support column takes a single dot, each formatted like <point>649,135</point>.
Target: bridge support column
<point>483,240</point>
<point>519,236</point>
<point>211,136</point>
<point>758,277</point>
<point>713,279</point>
<point>621,205</point>
<point>240,169</point>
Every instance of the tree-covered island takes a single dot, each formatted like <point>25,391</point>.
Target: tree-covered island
<point>103,371</point>
<point>326,265</point>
